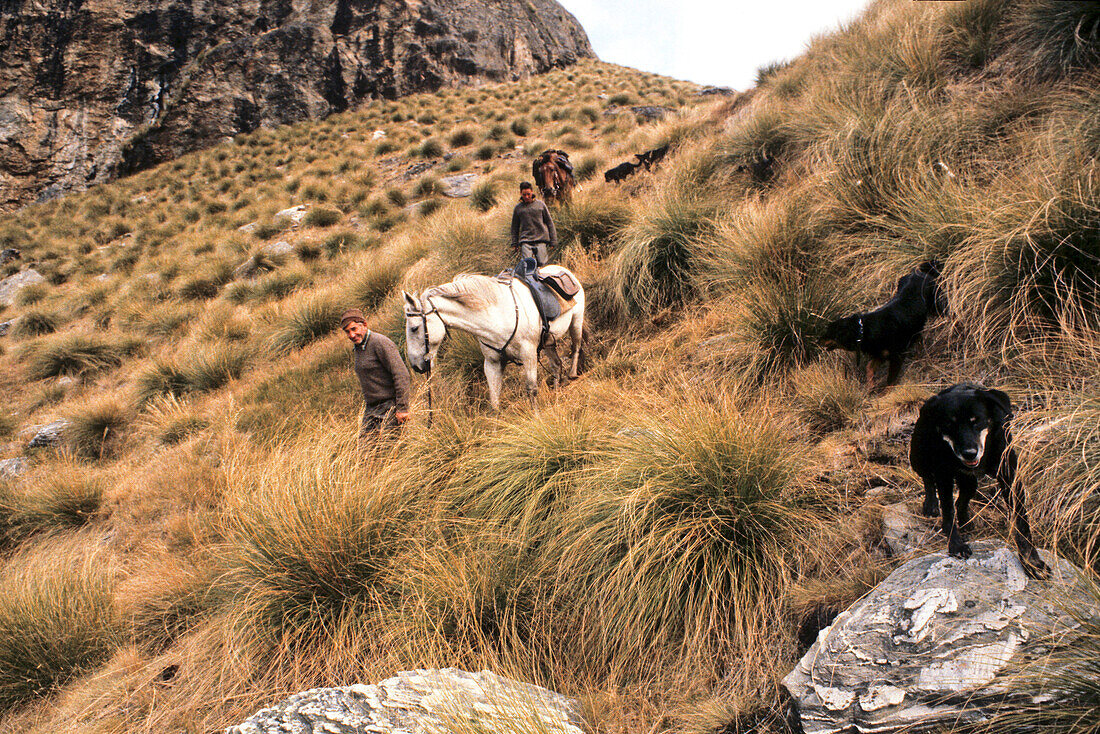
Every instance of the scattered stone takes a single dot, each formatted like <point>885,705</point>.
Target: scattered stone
<point>650,112</point>
<point>295,214</point>
<point>11,285</point>
<point>421,702</point>
<point>65,381</point>
<point>5,326</point>
<point>49,434</point>
<point>13,468</point>
<point>458,186</point>
<point>721,91</point>
<point>282,248</point>
<point>102,277</point>
<point>378,134</point>
<point>416,169</point>
<point>8,254</point>
<point>903,532</point>
<point>248,228</point>
<point>924,648</point>
<point>601,96</point>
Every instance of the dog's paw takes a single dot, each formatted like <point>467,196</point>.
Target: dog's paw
<point>931,508</point>
<point>959,549</point>
<point>1034,566</point>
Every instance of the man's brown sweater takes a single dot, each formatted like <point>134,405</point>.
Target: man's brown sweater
<point>531,222</point>
<point>382,374</point>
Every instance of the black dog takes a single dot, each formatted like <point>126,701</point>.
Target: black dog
<point>886,333</point>
<point>652,157</point>
<point>620,172</point>
<point>962,432</point>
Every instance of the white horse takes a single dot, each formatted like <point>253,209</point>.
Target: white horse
<point>504,320</point>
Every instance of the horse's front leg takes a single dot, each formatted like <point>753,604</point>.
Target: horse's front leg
<point>530,362</point>
<point>494,378</point>
<point>551,352</point>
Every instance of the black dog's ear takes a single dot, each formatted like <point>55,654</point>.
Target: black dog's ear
<point>999,402</point>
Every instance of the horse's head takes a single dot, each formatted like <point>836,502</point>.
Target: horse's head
<point>424,332</point>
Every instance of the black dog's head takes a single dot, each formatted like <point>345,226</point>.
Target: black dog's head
<point>842,334</point>
<point>965,417</point>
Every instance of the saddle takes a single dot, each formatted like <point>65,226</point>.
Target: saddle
<point>543,289</point>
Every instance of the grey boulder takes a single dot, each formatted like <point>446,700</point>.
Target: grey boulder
<point>49,434</point>
<point>13,468</point>
<point>458,186</point>
<point>924,649</point>
<point>421,702</point>
<point>10,286</point>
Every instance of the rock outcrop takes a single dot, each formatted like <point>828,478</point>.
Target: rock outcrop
<point>421,702</point>
<point>92,89</point>
<point>924,649</point>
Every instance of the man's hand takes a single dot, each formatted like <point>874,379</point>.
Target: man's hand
<point>402,416</point>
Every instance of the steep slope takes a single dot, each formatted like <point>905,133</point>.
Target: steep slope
<point>96,89</point>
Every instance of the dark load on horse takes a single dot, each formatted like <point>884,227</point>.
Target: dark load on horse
<point>553,174</point>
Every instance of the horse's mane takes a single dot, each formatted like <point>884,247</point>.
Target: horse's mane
<point>468,289</point>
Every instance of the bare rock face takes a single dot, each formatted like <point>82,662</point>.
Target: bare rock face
<point>924,649</point>
<point>93,89</point>
<point>421,702</point>
<point>10,286</point>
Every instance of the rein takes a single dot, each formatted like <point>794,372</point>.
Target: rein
<point>424,313</point>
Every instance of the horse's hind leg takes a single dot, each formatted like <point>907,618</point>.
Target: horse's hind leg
<point>530,364</point>
<point>576,334</point>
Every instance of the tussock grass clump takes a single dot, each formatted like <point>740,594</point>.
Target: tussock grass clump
<point>484,196</point>
<point>64,497</point>
<point>322,217</point>
<point>305,320</point>
<point>171,419</point>
<point>309,544</point>
<point>779,321</point>
<point>206,283</point>
<point>370,280</point>
<point>96,426</point>
<point>74,354</point>
<point>690,526</point>
<point>344,242</point>
<point>212,367</point>
<point>826,399</point>
<point>56,619</point>
<point>164,599</point>
<point>162,377</point>
<point>35,322</point>
<point>29,295</point>
<point>660,249</point>
<point>267,228</point>
<point>1060,465</point>
<point>592,221</point>
<point>526,468</point>
<point>1052,38</point>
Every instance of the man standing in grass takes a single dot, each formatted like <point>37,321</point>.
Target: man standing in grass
<point>532,227</point>
<point>382,376</point>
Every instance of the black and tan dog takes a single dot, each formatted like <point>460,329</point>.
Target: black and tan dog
<point>962,433</point>
<point>885,334</point>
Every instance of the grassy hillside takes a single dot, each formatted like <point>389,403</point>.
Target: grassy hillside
<point>659,539</point>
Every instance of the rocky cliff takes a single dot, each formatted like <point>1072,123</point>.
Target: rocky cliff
<point>92,89</point>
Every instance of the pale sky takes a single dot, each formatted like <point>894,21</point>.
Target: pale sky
<point>707,41</point>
